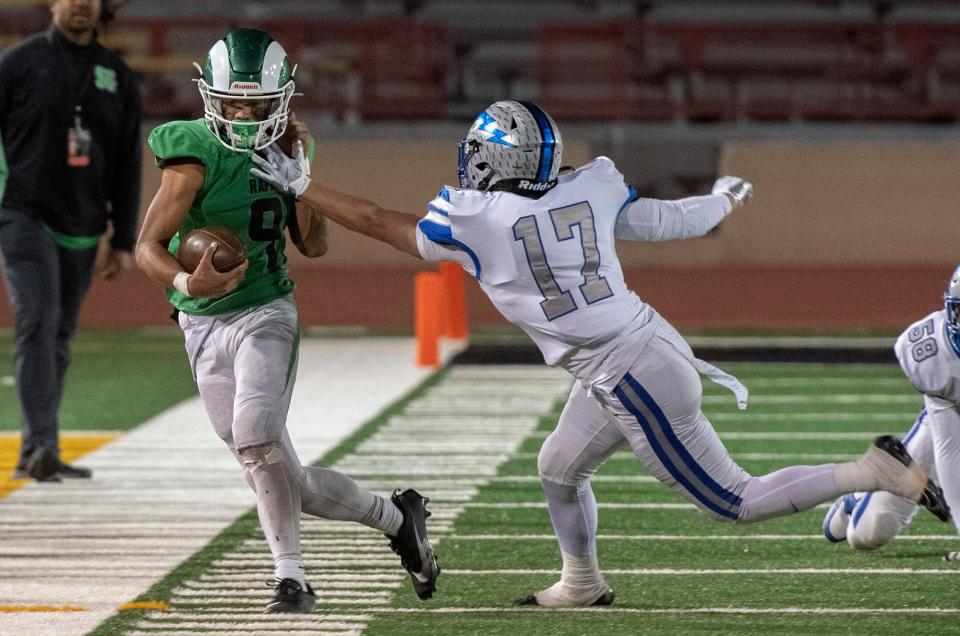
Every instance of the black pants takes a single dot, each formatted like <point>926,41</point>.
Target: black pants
<point>46,284</point>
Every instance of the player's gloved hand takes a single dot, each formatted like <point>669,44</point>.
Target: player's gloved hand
<point>290,175</point>
<point>736,188</point>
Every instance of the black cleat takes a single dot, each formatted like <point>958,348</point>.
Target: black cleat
<point>69,471</point>
<point>412,544</point>
<point>290,598</point>
<point>63,470</point>
<point>893,447</point>
<point>42,464</point>
<point>932,499</point>
<point>605,600</point>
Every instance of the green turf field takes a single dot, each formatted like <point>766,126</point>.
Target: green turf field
<point>673,569</point>
<point>116,380</point>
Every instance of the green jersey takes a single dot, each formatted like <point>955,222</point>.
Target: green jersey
<point>233,198</point>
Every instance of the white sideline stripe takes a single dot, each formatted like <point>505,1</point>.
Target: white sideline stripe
<point>384,577</point>
<point>666,610</point>
<point>232,631</point>
<point>829,381</point>
<point>775,435</point>
<point>712,571</point>
<point>838,398</point>
<point>814,457</point>
<point>684,537</point>
<point>155,477</point>
<point>827,419</point>
<point>290,618</point>
<point>519,505</point>
<point>269,623</point>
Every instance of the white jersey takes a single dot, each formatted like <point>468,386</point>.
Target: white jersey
<point>550,266</point>
<point>929,359</point>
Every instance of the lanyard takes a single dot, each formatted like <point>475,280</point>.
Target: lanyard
<point>71,63</point>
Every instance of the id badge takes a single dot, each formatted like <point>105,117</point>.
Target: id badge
<point>78,145</point>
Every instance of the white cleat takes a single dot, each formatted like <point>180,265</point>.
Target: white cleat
<point>837,518</point>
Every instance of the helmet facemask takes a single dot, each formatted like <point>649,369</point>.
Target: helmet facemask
<point>511,146</point>
<point>951,302</point>
<point>246,68</point>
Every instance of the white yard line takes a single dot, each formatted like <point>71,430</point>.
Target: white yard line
<point>787,435</point>
<point>171,482</point>
<point>717,571</point>
<point>664,610</point>
<point>683,537</point>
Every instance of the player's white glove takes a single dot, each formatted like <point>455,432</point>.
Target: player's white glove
<point>738,189</point>
<point>287,175</point>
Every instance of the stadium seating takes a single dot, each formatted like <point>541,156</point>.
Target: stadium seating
<point>684,60</point>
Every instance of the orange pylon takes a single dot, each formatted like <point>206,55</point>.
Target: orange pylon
<point>454,323</point>
<point>428,305</point>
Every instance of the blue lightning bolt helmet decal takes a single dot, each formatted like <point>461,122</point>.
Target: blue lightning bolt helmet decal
<point>489,125</point>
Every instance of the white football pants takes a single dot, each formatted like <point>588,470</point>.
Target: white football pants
<point>934,442</point>
<point>245,365</point>
<point>655,410</point>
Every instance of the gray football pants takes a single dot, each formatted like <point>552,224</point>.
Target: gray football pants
<point>655,410</point>
<point>245,365</point>
<point>46,284</point>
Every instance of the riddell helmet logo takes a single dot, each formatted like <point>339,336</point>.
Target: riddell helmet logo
<point>245,86</point>
<point>536,186</point>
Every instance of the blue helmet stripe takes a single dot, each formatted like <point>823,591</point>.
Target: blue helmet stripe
<point>549,141</point>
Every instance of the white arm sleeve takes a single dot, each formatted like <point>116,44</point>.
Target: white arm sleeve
<point>655,220</point>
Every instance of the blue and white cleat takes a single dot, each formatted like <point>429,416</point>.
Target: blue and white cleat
<point>835,523</point>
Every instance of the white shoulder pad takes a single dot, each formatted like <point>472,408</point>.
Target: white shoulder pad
<point>601,167</point>
<point>928,360</point>
<point>437,228</point>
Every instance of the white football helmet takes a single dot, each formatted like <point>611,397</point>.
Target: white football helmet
<point>951,301</point>
<point>249,66</point>
<point>512,146</point>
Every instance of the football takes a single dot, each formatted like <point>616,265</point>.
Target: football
<point>229,254</point>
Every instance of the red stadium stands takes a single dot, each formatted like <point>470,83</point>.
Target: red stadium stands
<point>816,64</point>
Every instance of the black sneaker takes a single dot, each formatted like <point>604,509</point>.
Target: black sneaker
<point>290,598</point>
<point>932,499</point>
<point>412,544</point>
<point>42,465</point>
<point>69,471</point>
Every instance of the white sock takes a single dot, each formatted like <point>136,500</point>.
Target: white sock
<point>580,583</point>
<point>290,567</point>
<point>385,516</point>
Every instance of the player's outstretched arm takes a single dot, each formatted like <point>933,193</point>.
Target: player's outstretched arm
<point>291,175</point>
<point>179,185</point>
<point>655,220</point>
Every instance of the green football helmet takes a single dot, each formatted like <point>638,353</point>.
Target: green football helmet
<point>249,67</point>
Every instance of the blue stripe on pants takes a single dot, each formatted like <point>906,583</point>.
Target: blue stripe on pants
<point>661,428</point>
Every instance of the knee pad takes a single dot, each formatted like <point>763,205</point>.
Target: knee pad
<point>256,457</point>
<point>552,465</point>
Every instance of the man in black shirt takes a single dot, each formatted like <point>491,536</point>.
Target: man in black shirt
<point>70,131</point>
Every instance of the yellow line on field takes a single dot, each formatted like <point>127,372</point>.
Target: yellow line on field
<point>135,605</point>
<point>40,608</point>
<point>72,447</point>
